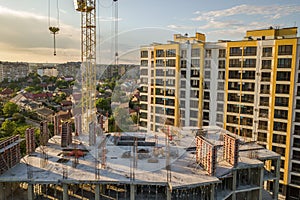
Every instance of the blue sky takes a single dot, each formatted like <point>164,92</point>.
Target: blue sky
<point>24,34</point>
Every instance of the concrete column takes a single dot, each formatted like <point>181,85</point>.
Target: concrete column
<point>65,191</point>
<point>261,183</point>
<point>30,191</point>
<point>212,192</point>
<point>132,192</point>
<point>276,181</point>
<point>97,192</point>
<point>234,179</point>
<point>2,191</point>
<point>169,191</point>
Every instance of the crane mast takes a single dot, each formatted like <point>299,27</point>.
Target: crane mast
<point>87,8</point>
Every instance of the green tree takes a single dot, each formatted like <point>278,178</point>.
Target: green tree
<point>19,118</point>
<point>103,104</point>
<point>9,127</point>
<point>10,108</point>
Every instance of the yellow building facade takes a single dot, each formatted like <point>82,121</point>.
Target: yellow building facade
<point>260,92</point>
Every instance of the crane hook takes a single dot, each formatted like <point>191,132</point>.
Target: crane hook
<point>54,31</point>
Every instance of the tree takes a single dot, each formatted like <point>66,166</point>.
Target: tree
<point>103,104</point>
<point>10,108</point>
<point>19,118</point>
<point>8,127</point>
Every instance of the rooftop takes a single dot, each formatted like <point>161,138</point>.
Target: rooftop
<point>151,161</point>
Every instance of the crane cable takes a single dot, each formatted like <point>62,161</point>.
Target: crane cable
<point>115,20</point>
<point>53,29</point>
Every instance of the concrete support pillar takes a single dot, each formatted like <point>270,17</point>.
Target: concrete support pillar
<point>169,192</point>
<point>132,192</point>
<point>234,179</point>
<point>261,182</point>
<point>2,191</point>
<point>212,192</point>
<point>97,192</point>
<point>65,191</point>
<point>276,181</point>
<point>30,191</point>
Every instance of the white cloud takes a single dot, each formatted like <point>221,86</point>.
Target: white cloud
<point>266,11</point>
<point>27,34</point>
<point>109,19</point>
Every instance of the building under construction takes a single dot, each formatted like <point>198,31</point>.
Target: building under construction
<point>191,164</point>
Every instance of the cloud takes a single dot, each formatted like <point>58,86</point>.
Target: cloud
<point>28,34</point>
<point>244,9</point>
<point>109,19</point>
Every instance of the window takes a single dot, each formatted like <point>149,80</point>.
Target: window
<point>280,114</point>
<point>183,53</point>
<point>205,115</point>
<point>194,114</point>
<point>171,53</point>
<point>160,53</point>
<point>234,63</point>
<point>264,113</point>
<point>159,63</point>
<point>206,96</point>
<point>207,74</point>
<point>182,84</point>
<point>182,94</point>
<point>266,64</point>
<point>195,73</point>
<point>250,51</point>
<point>250,63</point>
<point>221,75</point>
<point>265,89</point>
<point>285,49</point>
<point>282,89</point>
<point>281,101</point>
<point>265,76</point>
<point>264,101</point>
<point>195,63</point>
<point>171,63</point>
<point>220,107</point>
<point>284,63</point>
<point>207,63</point>
<point>220,97</point>
<point>208,53</point>
<point>235,51</point>
<point>183,63</point>
<point>144,63</point>
<point>194,103</point>
<point>219,117</point>
<point>222,53</point>
<point>283,76</point>
<point>220,86</point>
<point>206,85</point>
<point>280,126</point>
<point>196,52</point>
<point>221,64</point>
<point>267,52</point>
<point>144,54</point>
<point>144,71</point>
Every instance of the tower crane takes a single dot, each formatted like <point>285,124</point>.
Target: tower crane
<point>87,8</point>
